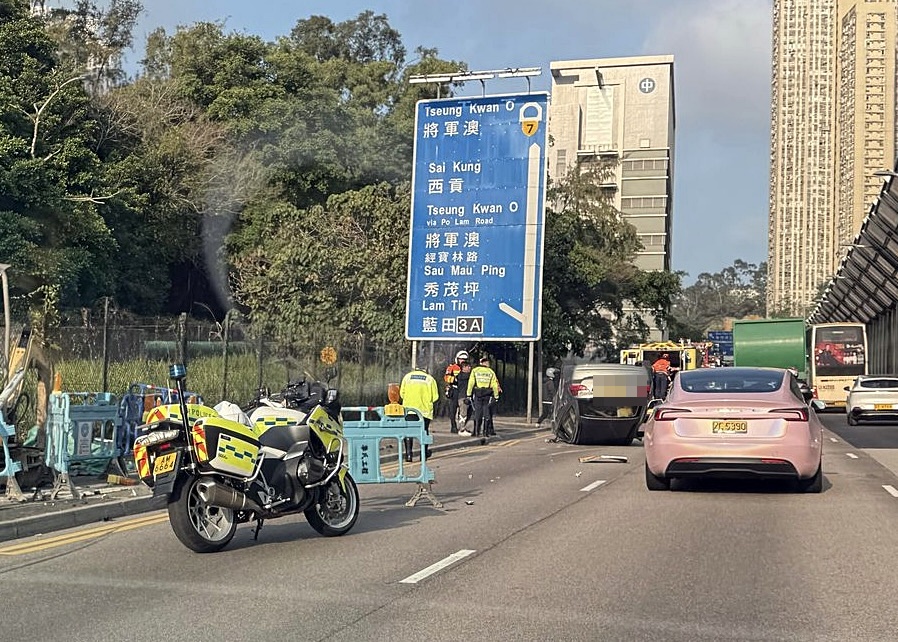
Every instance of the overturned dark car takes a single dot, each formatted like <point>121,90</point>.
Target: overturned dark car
<point>601,403</point>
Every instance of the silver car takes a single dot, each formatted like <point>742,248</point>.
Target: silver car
<point>872,397</point>
<point>601,403</point>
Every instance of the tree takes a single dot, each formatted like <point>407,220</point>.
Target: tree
<point>51,185</point>
<point>589,274</point>
<point>341,266</point>
<point>736,291</point>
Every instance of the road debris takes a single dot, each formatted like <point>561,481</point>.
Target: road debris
<point>599,459</point>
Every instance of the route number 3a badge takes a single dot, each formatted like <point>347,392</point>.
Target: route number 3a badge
<point>530,116</point>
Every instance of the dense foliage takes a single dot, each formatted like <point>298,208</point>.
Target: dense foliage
<point>270,176</point>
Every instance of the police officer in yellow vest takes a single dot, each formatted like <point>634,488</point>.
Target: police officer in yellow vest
<point>419,391</point>
<point>483,389</point>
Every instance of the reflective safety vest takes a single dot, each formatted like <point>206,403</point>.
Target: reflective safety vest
<point>419,390</point>
<point>483,379</point>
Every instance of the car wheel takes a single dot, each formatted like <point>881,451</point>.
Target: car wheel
<point>851,419</point>
<point>653,482</point>
<point>814,484</point>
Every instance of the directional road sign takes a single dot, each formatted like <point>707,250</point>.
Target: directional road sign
<point>478,205</point>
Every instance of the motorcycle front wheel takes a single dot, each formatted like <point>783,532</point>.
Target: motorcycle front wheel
<point>336,510</point>
<point>200,527</point>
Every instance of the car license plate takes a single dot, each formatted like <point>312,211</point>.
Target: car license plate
<point>729,426</point>
<point>164,464</point>
<point>882,406</point>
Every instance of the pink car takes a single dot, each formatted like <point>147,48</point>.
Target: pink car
<point>735,422</point>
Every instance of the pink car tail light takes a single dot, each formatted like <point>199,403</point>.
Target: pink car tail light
<point>793,414</point>
<point>669,414</point>
<point>577,388</point>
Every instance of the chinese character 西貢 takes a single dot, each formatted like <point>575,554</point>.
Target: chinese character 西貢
<point>435,186</point>
<point>455,185</point>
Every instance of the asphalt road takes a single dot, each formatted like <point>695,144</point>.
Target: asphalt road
<point>531,545</point>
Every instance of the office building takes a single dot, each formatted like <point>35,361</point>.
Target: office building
<point>832,128</point>
<point>621,111</point>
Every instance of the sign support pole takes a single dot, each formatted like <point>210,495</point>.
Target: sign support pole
<point>530,382</point>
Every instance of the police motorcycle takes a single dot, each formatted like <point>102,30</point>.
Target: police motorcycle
<point>218,470</point>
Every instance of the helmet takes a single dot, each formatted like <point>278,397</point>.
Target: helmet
<point>461,355</point>
<point>551,373</point>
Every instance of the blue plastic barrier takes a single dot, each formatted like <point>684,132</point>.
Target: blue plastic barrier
<point>83,428</point>
<point>10,466</point>
<point>365,427</point>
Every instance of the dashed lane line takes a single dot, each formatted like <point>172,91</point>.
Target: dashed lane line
<point>834,440</point>
<point>439,566</point>
<point>592,486</point>
<point>852,455</point>
<point>890,490</point>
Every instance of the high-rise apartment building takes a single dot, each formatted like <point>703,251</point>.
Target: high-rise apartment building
<point>832,127</point>
<point>621,110</point>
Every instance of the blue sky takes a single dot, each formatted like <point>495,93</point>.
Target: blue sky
<point>721,73</point>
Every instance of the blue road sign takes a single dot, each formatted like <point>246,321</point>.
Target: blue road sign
<point>478,199</point>
<point>721,336</point>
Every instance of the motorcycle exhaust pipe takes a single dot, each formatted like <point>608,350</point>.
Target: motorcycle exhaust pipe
<point>216,494</point>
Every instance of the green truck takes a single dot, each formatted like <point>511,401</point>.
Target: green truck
<point>773,343</point>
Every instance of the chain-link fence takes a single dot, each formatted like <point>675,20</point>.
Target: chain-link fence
<point>105,350</point>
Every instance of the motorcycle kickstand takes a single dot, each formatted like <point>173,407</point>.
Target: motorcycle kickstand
<point>258,528</point>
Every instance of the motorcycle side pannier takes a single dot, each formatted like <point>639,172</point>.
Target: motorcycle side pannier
<point>225,446</point>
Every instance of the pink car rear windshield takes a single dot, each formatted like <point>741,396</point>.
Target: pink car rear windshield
<point>730,380</point>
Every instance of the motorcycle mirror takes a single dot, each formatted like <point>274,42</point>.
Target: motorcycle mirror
<point>330,373</point>
<point>331,396</point>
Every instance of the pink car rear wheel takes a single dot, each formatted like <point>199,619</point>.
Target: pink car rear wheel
<point>653,482</point>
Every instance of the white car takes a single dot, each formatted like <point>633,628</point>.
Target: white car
<point>872,397</point>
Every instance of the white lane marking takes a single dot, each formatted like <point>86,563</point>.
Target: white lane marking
<point>852,455</point>
<point>595,484</point>
<point>433,568</point>
<point>834,440</point>
<point>890,490</point>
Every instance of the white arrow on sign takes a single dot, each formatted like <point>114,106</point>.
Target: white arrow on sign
<point>525,316</point>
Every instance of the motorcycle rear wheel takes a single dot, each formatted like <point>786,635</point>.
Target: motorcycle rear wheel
<point>336,510</point>
<point>200,527</point>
